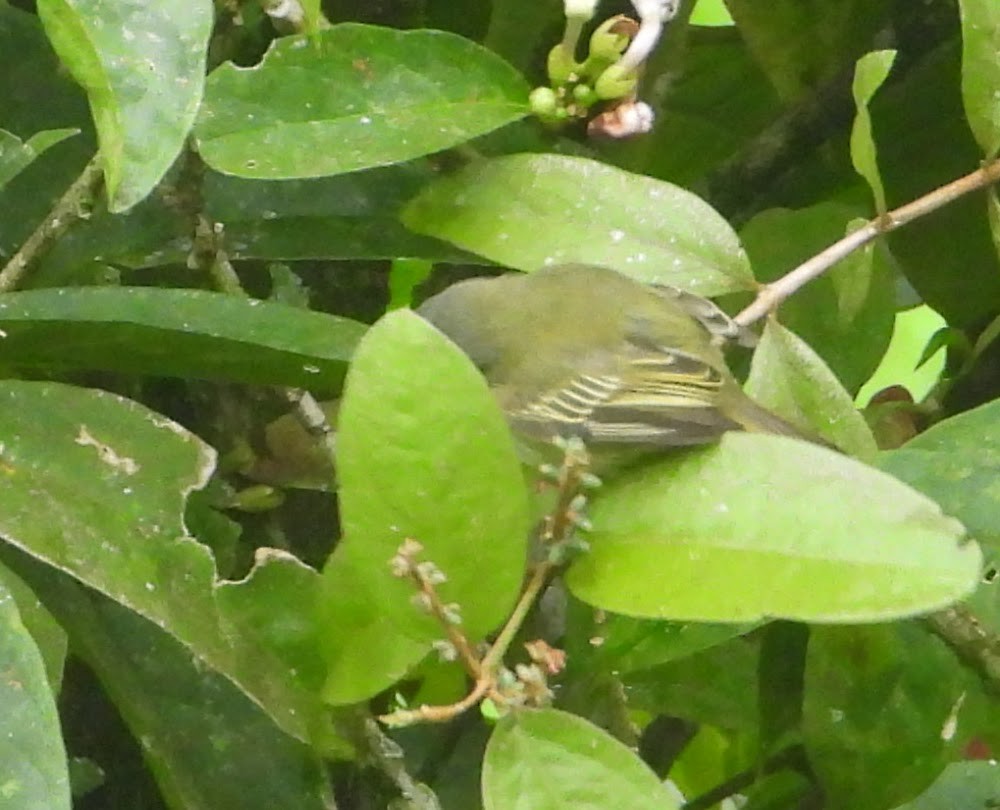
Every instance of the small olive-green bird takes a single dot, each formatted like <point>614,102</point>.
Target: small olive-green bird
<point>581,350</point>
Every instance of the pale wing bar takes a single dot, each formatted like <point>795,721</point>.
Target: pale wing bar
<point>668,398</point>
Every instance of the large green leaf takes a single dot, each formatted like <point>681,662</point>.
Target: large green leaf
<point>956,463</point>
<point>33,773</point>
<point>770,526</point>
<point>981,71</point>
<point>143,68</point>
<point>188,333</point>
<point>550,760</point>
<point>578,210</point>
<point>112,477</point>
<point>961,786</point>
<point>352,97</point>
<point>423,452</point>
<point>876,706</point>
<point>193,723</point>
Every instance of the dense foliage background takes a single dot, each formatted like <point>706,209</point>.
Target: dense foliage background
<point>202,210</point>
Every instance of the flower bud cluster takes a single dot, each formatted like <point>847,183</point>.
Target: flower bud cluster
<point>608,77</point>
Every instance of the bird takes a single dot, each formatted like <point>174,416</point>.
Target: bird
<point>580,350</point>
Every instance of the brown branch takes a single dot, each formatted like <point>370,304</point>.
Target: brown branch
<point>771,295</point>
<point>558,527</point>
<point>484,687</point>
<point>74,205</point>
<point>557,531</point>
<point>974,644</point>
<point>534,587</point>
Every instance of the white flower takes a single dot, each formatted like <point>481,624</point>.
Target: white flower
<point>583,9</point>
<point>662,10</point>
<point>653,14</point>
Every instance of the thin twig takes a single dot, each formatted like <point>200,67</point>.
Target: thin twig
<point>484,687</point>
<point>486,671</point>
<point>208,254</point>
<point>73,205</point>
<point>531,591</point>
<point>771,295</point>
<point>791,758</point>
<point>311,416</point>
<point>973,643</point>
<point>466,654</point>
<point>558,527</point>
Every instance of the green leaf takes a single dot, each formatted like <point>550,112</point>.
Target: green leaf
<point>517,30</point>
<point>955,462</point>
<point>352,97</point>
<point>712,757</point>
<point>711,13</point>
<point>981,71</point>
<point>33,775</point>
<point>717,686</point>
<point>151,233</point>
<point>186,333</point>
<point>193,723</point>
<point>143,68</point>
<point>45,630</point>
<point>916,115</point>
<point>629,644</point>
<point>578,210</point>
<point>550,760</point>
<point>856,296</point>
<point>914,358</point>
<point>314,19</point>
<point>346,216</point>
<point>788,377</point>
<point>770,526</point>
<point>871,70</point>
<point>423,452</point>
<point>404,277</point>
<point>114,476</point>
<point>16,155</point>
<point>961,786</point>
<point>781,674</point>
<point>30,71</point>
<point>876,704</point>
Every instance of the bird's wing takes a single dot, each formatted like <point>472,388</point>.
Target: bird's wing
<point>664,397</point>
<point>722,328</point>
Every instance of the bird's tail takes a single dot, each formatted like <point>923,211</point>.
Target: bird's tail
<point>757,419</point>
